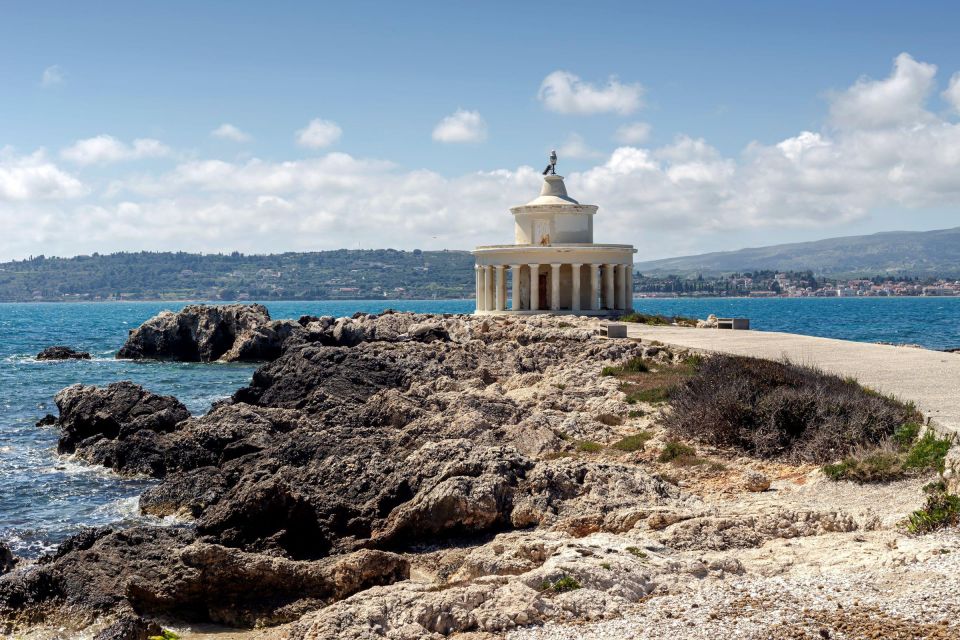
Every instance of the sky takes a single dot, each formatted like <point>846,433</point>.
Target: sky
<point>261,128</point>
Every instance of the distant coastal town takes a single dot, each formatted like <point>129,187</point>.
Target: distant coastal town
<point>790,284</point>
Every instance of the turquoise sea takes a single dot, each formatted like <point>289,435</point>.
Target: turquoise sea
<point>44,498</point>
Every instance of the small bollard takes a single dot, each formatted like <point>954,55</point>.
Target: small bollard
<point>616,330</point>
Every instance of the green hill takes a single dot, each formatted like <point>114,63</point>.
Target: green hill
<point>894,253</point>
<point>344,274</point>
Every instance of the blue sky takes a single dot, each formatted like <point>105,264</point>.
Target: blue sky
<point>715,86</point>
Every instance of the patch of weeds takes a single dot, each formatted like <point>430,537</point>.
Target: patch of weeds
<point>557,455</point>
<point>716,466</point>
<point>927,453</point>
<point>637,551</point>
<point>610,420</point>
<point>560,386</point>
<point>904,454</point>
<point>906,434</point>
<point>561,585</point>
<point>166,634</point>
<point>634,442</point>
<point>937,486</point>
<point>631,366</point>
<point>941,510</point>
<point>657,319</point>
<point>605,565</point>
<point>673,450</point>
<point>653,396</point>
<point>875,466</point>
<point>589,446</point>
<point>636,413</point>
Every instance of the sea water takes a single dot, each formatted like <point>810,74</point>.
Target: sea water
<point>45,497</point>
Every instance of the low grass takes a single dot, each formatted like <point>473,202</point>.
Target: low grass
<point>633,365</point>
<point>166,634</point>
<point>588,446</point>
<point>633,442</point>
<point>637,551</point>
<point>561,585</point>
<point>657,319</point>
<point>653,395</point>
<point>610,419</point>
<point>635,413</point>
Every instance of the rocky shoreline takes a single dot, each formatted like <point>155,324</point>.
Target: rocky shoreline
<point>411,476</point>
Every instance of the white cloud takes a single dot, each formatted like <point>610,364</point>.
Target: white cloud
<point>227,131</point>
<point>952,94</point>
<point>678,197</point>
<point>563,92</point>
<point>52,76</point>
<point>104,149</point>
<point>633,133</point>
<point>898,100</point>
<point>33,177</point>
<point>461,126</point>
<point>319,134</point>
<point>577,147</point>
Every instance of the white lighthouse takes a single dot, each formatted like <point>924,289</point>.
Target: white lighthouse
<point>553,265</point>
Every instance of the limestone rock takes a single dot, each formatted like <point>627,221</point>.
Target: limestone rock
<point>62,353</point>
<point>755,481</point>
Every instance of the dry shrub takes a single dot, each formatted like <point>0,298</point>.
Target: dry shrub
<point>782,410</point>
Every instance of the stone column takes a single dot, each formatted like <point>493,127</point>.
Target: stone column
<point>534,287</point>
<point>594,277</point>
<point>629,307</point>
<point>501,292</point>
<point>575,293</point>
<point>479,288</point>
<point>609,302</point>
<point>617,287</point>
<point>515,287</point>
<point>487,284</point>
<point>554,287</point>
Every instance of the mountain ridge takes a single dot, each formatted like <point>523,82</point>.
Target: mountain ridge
<point>894,253</point>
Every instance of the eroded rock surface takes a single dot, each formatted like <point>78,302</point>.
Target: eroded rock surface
<point>406,476</point>
<point>62,353</point>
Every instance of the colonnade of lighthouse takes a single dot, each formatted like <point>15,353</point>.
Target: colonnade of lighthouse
<point>554,287</point>
<point>554,266</point>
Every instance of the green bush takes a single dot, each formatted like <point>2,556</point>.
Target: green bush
<point>673,450</point>
<point>906,434</point>
<point>634,442</point>
<point>561,585</point>
<point>941,510</point>
<point>588,446</point>
<point>927,453</point>
<point>636,551</point>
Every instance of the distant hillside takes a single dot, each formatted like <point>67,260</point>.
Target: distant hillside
<point>908,253</point>
<point>344,274</point>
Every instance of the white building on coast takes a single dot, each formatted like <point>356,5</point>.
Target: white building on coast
<point>554,266</point>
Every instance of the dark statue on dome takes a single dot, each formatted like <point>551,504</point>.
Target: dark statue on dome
<point>552,167</point>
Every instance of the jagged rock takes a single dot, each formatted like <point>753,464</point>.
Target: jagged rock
<point>96,419</point>
<point>48,420</point>
<point>205,333</point>
<point>62,353</point>
<point>7,559</point>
